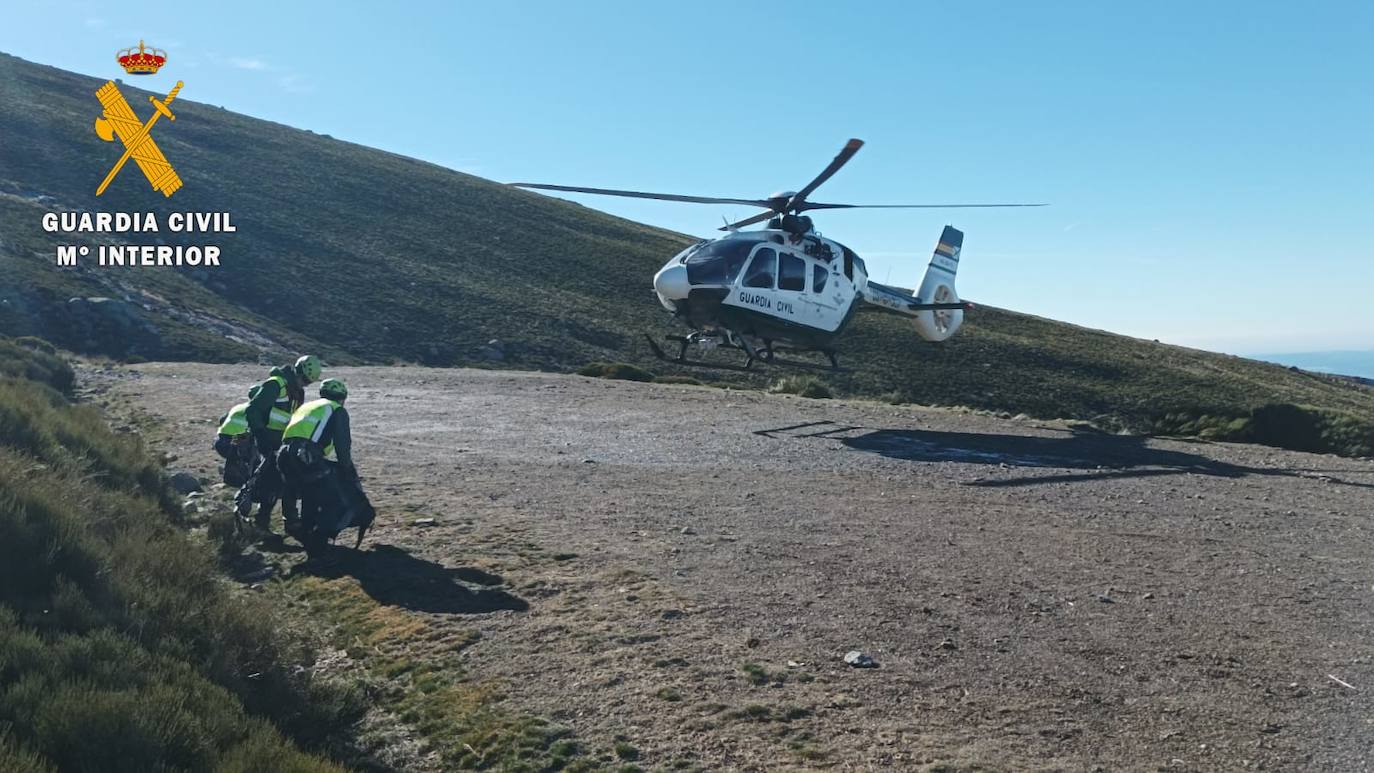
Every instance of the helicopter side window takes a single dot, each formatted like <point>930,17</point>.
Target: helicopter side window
<point>792,273</point>
<point>762,268</point>
<point>819,275</point>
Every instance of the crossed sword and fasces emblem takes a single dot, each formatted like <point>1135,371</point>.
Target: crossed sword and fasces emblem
<point>119,120</point>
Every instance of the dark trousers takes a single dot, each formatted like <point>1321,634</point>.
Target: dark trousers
<point>307,475</point>
<point>265,487</point>
<point>331,494</point>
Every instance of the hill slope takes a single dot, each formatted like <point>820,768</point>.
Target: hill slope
<point>368,256</point>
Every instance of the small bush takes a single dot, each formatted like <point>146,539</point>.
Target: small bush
<point>36,344</point>
<point>1303,428</point>
<point>1282,425</point>
<point>622,371</point>
<point>677,380</point>
<point>593,369</point>
<point>36,360</point>
<point>802,386</point>
<point>626,752</point>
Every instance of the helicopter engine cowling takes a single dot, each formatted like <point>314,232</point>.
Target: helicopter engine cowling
<point>938,287</point>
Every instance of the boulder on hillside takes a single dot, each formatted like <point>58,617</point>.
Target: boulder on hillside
<point>184,482</point>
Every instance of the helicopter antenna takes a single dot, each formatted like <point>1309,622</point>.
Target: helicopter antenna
<point>727,224</point>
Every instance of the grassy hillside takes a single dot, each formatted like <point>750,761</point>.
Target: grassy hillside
<point>120,648</point>
<point>368,256</point>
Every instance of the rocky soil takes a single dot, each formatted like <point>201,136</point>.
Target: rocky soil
<point>684,570</point>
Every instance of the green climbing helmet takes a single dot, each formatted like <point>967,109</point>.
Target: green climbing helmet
<point>308,368</point>
<point>333,389</point>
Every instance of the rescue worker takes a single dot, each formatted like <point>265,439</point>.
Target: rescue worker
<point>269,411</point>
<point>234,443</point>
<point>331,498</point>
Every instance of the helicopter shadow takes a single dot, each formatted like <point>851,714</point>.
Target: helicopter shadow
<point>1088,455</point>
<point>394,577</point>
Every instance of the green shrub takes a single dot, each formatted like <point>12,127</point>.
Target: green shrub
<point>36,344</point>
<point>803,386</point>
<point>616,370</point>
<point>120,646</point>
<point>1282,425</point>
<point>36,360</point>
<point>1304,428</point>
<point>16,759</point>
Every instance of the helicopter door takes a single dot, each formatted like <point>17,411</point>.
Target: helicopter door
<point>820,296</point>
<point>831,294</point>
<point>756,282</point>
<point>793,303</point>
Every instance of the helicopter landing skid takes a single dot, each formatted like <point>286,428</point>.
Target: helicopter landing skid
<point>766,355</point>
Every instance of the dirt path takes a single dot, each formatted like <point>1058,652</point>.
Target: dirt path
<point>684,569</point>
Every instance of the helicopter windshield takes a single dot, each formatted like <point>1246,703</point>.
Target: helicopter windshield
<point>718,262</point>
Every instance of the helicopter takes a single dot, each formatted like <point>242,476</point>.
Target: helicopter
<point>786,288</point>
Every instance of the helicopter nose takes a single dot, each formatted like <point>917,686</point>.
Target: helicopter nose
<point>671,283</point>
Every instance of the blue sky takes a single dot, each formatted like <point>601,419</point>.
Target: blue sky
<point>1209,164</point>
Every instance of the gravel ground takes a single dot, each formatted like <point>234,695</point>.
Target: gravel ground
<point>684,568</point>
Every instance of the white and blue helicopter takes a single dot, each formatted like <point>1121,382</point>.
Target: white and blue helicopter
<point>786,288</point>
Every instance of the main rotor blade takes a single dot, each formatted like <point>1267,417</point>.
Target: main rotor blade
<point>643,195</point>
<point>816,205</point>
<point>759,218</point>
<point>850,148</point>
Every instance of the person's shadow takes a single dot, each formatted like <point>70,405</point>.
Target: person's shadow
<point>394,577</point>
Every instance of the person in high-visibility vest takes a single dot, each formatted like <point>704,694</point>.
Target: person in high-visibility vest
<point>269,411</point>
<point>234,443</point>
<point>331,498</point>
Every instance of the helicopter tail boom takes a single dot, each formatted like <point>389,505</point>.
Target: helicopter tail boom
<point>935,306</point>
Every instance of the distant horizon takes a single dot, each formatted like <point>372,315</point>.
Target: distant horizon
<point>1340,362</point>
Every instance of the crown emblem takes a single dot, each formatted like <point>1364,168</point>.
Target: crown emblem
<point>141,60</point>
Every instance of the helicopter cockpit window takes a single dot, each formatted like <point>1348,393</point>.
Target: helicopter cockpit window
<point>717,263</point>
<point>687,253</point>
<point>762,268</point>
<point>819,275</point>
<point>792,273</point>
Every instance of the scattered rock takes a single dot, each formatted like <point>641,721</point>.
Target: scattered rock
<point>423,522</point>
<point>259,575</point>
<point>948,644</point>
<point>688,530</point>
<point>672,614</point>
<point>589,461</point>
<point>110,325</point>
<point>184,482</point>
<point>1105,599</point>
<point>494,351</point>
<point>190,507</point>
<point>858,659</point>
